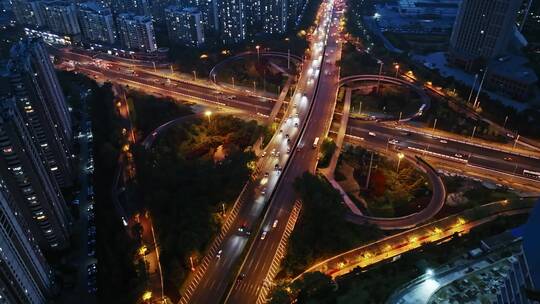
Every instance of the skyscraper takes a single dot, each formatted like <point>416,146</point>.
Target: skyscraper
<point>232,21</point>
<point>136,32</point>
<point>274,16</point>
<point>184,25</point>
<point>39,96</point>
<point>97,23</point>
<point>28,12</point>
<point>25,276</point>
<point>31,187</point>
<point>61,17</point>
<point>482,30</point>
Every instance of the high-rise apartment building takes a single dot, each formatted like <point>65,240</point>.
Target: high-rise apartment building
<point>61,17</point>
<point>209,11</point>
<point>136,32</point>
<point>137,7</point>
<point>28,12</point>
<point>25,276</point>
<point>35,86</point>
<point>97,23</point>
<point>274,16</point>
<point>232,27</point>
<point>184,25</point>
<point>482,30</point>
<point>26,179</point>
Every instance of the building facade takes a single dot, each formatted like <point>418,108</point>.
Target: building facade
<point>137,7</point>
<point>25,277</point>
<point>28,12</point>
<point>274,16</point>
<point>31,187</point>
<point>97,23</point>
<point>61,17</point>
<point>35,86</point>
<point>482,30</point>
<point>136,32</point>
<point>209,11</point>
<point>232,26</point>
<point>184,25</point>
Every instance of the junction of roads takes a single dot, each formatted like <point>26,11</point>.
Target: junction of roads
<point>268,204</point>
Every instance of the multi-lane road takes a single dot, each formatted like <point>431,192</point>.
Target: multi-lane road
<point>146,80</point>
<point>464,155</point>
<point>323,94</point>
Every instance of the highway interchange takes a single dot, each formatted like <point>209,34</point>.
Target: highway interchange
<point>236,268</point>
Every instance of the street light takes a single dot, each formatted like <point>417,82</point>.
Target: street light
<point>380,73</point>
<point>195,75</point>
<point>257,47</point>
<point>400,156</point>
<point>208,114</point>
<point>397,69</point>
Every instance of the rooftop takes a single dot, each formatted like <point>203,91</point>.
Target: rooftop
<point>514,67</point>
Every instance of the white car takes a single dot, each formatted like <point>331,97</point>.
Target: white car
<point>372,134</point>
<point>442,141</point>
<point>274,225</point>
<point>218,255</point>
<point>263,235</point>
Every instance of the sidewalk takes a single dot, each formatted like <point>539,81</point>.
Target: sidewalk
<point>329,171</point>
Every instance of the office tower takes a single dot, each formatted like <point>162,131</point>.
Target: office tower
<point>232,21</point>
<point>41,100</point>
<point>97,23</point>
<point>61,17</point>
<point>24,275</point>
<point>31,187</point>
<point>137,7</point>
<point>274,16</point>
<point>482,30</point>
<point>184,25</point>
<point>136,32</point>
<point>28,12</point>
<point>158,9</point>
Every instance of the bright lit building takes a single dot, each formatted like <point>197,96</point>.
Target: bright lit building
<point>274,16</point>
<point>136,32</point>
<point>97,23</point>
<point>209,11</point>
<point>184,25</point>
<point>35,86</point>
<point>61,17</point>
<point>482,30</point>
<point>26,277</point>
<point>232,21</point>
<point>137,7</point>
<point>31,187</point>
<point>28,12</point>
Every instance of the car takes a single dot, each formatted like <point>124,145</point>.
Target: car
<point>241,277</point>
<point>296,124</point>
<point>393,141</point>
<point>263,154</point>
<point>276,167</point>
<point>273,153</point>
<point>372,134</point>
<point>263,235</point>
<point>263,191</point>
<point>274,225</point>
<point>458,155</point>
<point>280,130</point>
<point>442,141</point>
<point>218,254</point>
<point>75,202</point>
<point>277,154</point>
<point>266,174</point>
<point>288,150</point>
<point>508,158</point>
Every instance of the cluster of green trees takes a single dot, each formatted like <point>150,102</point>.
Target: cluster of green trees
<point>184,188</point>
<point>328,147</point>
<point>391,100</point>
<point>148,112</point>
<point>390,192</point>
<point>322,229</point>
